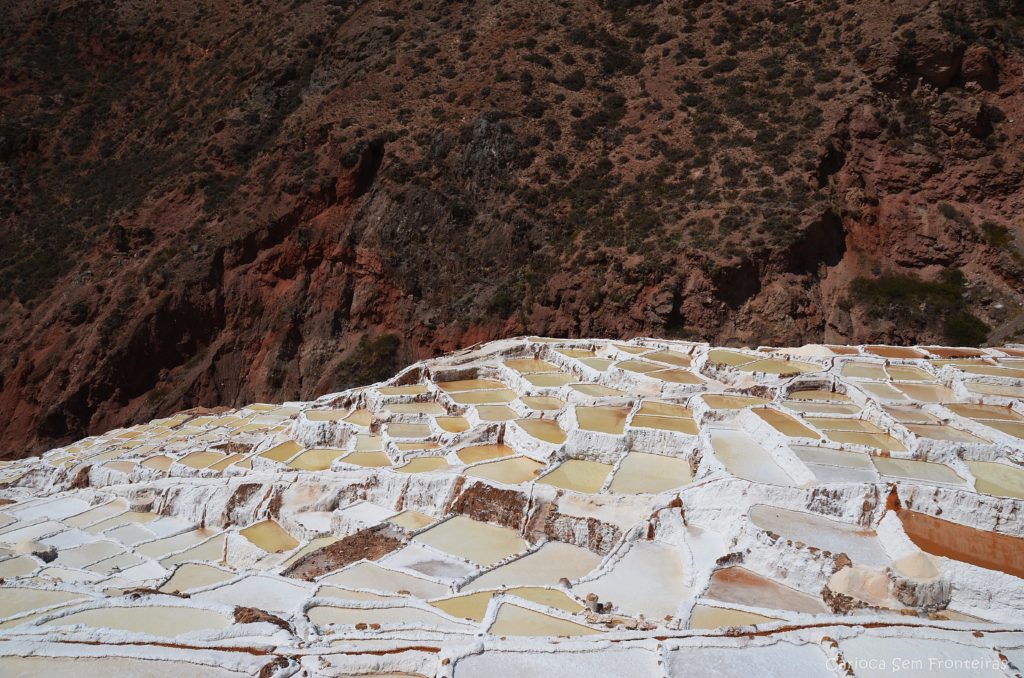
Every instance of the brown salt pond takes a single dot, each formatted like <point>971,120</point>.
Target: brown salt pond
<point>579,475</point>
<point>477,453</point>
<point>159,463</point>
<point>513,620</point>
<point>709,617</point>
<point>989,550</point>
<point>156,620</point>
<point>479,542</point>
<point>1001,480</point>
<point>643,473</point>
<point>740,586</point>
<point>546,430</point>
<point>270,537</point>
<point>784,423</point>
<point>610,420</point>
<point>508,471</point>
<point>325,415</point>
<point>899,352</point>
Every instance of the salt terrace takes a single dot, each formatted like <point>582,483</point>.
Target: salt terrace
<point>532,505</point>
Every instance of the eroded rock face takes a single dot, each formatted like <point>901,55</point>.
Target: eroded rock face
<point>667,499</point>
<point>192,219</point>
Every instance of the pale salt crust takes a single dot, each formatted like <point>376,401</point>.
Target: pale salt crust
<point>383,552</point>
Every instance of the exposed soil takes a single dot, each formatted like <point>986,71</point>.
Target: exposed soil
<point>372,544</point>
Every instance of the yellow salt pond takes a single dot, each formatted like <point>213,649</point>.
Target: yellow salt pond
<point>917,470</point>
<point>369,443</point>
<point>270,537</point>
<point>484,397</point>
<point>159,463</point>
<point>326,415</point>
<point>816,394</point>
<point>368,459</point>
<point>453,424</point>
<point>611,420</point>
<point>550,380</point>
<point>731,358</point>
<point>779,367</point>
<point>195,576</point>
<point>416,408</point>
<point>677,424</point>
<point>597,390</point>
<point>881,441</point>
<point>283,452</point>
<point>545,566</point>
<point>546,430</point>
<point>477,453</point>
<point>316,459</point>
<point>1001,480</point>
<point>323,615</point>
<point>784,424</point>
<point>513,620</point>
<point>461,385</point>
<point>643,473</point>
<point>745,458</point>
<point>543,403</point>
<point>423,465</point>
<point>732,402</point>
<point>669,357</point>
<point>709,617</point>
<point>155,620</point>
<point>15,601</point>
<point>482,543</point>
<point>531,366</point>
<point>496,413</point>
<point>473,606</point>
<point>579,475</point>
<point>410,389</point>
<point>200,460</point>
<point>362,418</point>
<point>396,430</point>
<point>509,471</point>
<point>411,520</point>
<point>229,460</point>
<point>859,370</point>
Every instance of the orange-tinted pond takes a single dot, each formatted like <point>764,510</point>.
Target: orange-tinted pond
<point>989,550</point>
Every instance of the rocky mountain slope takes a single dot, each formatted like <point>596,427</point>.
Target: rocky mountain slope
<point>264,200</point>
